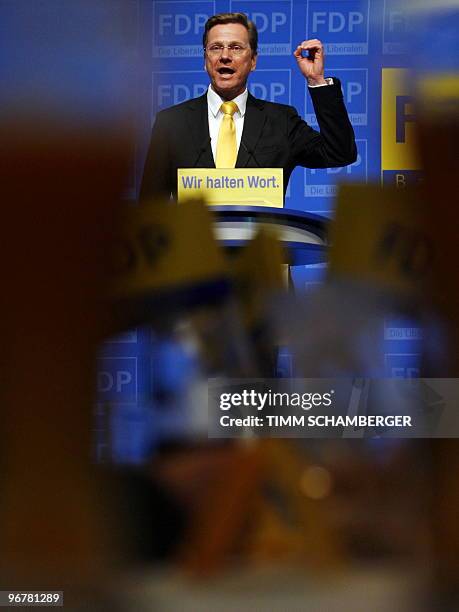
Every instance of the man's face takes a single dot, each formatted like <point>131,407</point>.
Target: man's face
<point>228,72</point>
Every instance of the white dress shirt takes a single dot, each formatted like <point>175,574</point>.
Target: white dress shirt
<point>215,117</point>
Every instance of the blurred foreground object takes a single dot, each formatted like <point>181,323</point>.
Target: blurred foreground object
<point>65,128</point>
<point>171,275</point>
<point>436,87</point>
<point>57,225</point>
<point>379,260</point>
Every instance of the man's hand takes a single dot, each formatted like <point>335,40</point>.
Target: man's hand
<point>312,67</point>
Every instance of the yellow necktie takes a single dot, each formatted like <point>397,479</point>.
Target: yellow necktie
<point>226,144</point>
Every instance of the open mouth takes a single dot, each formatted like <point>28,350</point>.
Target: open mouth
<point>225,70</point>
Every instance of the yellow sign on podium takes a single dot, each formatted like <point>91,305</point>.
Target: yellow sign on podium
<point>225,186</point>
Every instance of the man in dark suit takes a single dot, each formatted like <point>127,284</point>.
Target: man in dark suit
<point>264,134</point>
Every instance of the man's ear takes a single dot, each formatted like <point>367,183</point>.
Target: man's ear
<point>254,62</point>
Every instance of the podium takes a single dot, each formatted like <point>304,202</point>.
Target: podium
<point>303,234</point>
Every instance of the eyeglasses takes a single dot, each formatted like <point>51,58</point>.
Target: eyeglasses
<point>216,50</point>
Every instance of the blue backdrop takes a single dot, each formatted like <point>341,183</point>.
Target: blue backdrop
<point>361,37</point>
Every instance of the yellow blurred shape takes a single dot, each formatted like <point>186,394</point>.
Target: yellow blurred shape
<point>258,271</point>
<point>166,246</point>
<point>379,238</point>
<point>316,482</point>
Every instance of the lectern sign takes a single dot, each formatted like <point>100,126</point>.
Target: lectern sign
<point>238,186</point>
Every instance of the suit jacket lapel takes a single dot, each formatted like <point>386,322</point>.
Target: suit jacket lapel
<point>199,129</point>
<point>253,125</point>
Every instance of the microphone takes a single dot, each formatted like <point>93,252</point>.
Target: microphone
<point>249,150</point>
<point>202,149</point>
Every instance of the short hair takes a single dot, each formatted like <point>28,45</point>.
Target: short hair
<point>241,18</point>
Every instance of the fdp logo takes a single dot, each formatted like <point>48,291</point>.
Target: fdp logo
<point>178,27</point>
<point>174,87</point>
<point>396,27</point>
<point>398,132</point>
<point>309,277</point>
<point>117,379</point>
<point>273,19</point>
<point>273,85</point>
<point>402,330</point>
<point>323,183</point>
<point>403,365</point>
<point>342,26</point>
<point>354,83</point>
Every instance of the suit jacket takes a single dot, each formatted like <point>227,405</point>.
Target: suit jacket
<point>274,136</point>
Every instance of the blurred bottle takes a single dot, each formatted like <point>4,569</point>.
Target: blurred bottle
<point>436,86</point>
<point>65,129</point>
<point>435,56</point>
